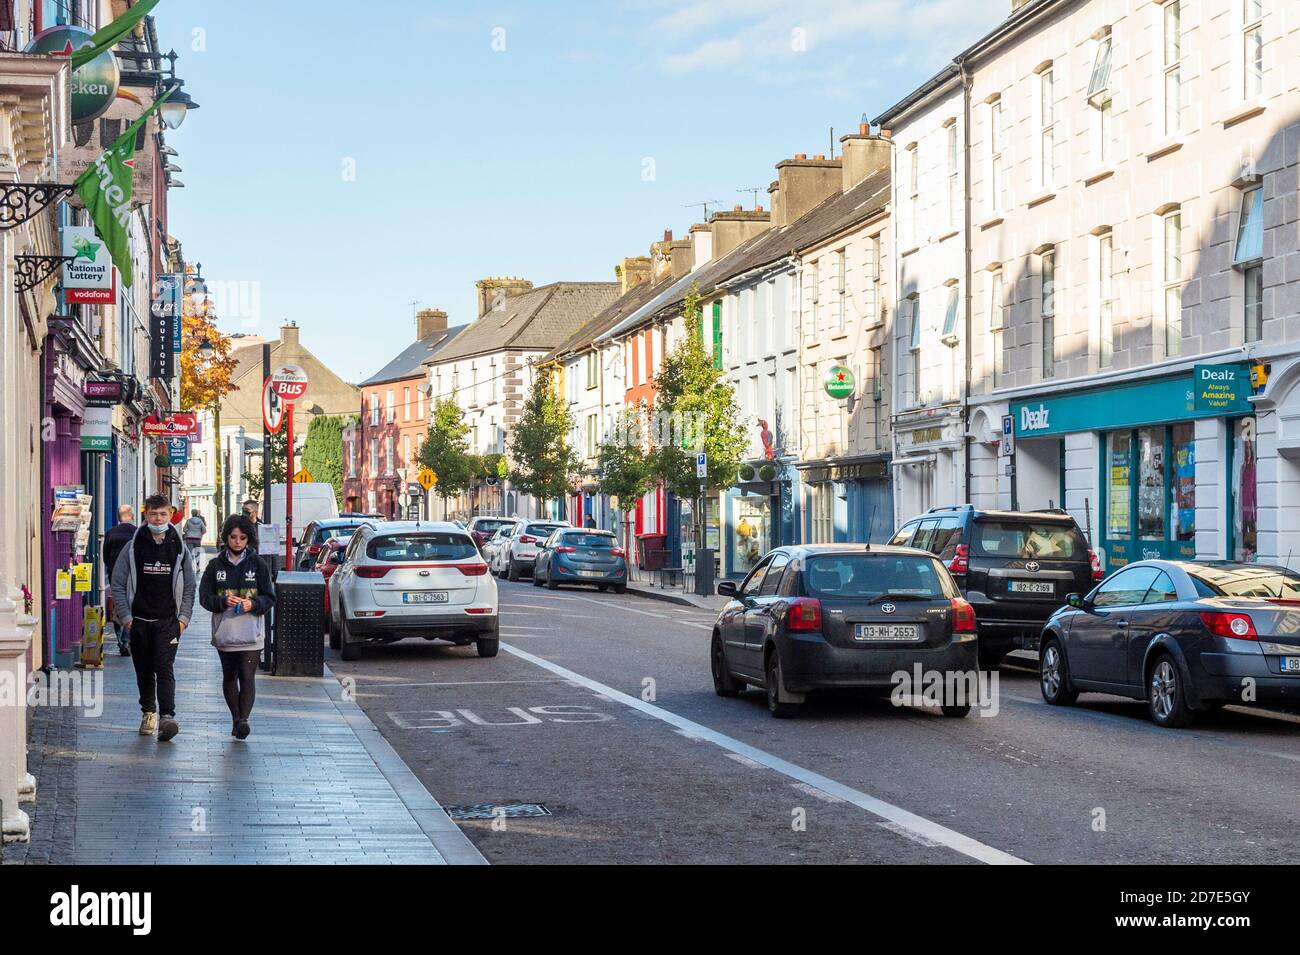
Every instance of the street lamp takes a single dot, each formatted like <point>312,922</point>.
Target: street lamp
<point>206,351</point>
<point>179,103</point>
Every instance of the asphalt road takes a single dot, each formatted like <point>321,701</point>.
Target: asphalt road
<point>601,708</point>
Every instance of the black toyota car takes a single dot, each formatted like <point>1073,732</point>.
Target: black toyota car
<point>823,616</point>
<point>1184,636</point>
<point>1015,567</point>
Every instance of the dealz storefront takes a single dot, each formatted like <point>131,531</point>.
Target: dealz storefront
<point>1153,468</point>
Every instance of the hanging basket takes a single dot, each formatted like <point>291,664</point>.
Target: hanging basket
<point>767,473</point>
<point>746,472</point>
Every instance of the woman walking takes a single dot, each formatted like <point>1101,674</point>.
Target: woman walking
<point>237,589</point>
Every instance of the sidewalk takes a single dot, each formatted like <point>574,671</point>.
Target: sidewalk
<point>315,783</point>
<point>677,595</point>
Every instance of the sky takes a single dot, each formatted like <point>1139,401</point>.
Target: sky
<point>350,160</point>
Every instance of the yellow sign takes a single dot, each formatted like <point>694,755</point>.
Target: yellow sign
<point>62,585</point>
<point>302,477</point>
<point>426,478</point>
<point>92,638</point>
<point>81,578</point>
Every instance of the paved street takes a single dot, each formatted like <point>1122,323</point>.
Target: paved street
<point>559,719</point>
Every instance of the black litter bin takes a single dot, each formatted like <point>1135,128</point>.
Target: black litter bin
<point>299,648</point>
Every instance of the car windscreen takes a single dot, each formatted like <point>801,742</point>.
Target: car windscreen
<point>424,545</point>
<point>491,527</point>
<point>601,541</point>
<point>1026,540</point>
<point>1244,581</point>
<point>327,533</point>
<point>541,530</point>
<point>863,576</point>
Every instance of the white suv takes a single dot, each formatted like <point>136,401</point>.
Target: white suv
<point>414,579</point>
<point>518,553</point>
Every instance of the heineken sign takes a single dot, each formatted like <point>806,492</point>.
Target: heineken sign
<point>839,382</point>
<point>95,84</point>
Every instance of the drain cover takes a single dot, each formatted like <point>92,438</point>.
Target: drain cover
<point>518,810</point>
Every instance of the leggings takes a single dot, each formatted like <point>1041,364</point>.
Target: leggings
<point>238,671</point>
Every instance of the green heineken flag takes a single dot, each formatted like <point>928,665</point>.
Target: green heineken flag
<point>108,37</point>
<point>105,188</point>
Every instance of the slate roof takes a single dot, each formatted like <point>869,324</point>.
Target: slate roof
<point>614,313</point>
<point>536,320</point>
<point>409,363</point>
<point>831,216</point>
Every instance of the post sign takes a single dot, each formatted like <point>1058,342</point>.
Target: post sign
<point>272,408</point>
<point>88,274</point>
<point>1222,389</point>
<point>177,424</point>
<point>289,382</point>
<point>839,382</point>
<point>97,429</point>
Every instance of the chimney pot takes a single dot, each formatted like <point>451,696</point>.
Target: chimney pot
<point>885,134</point>
<point>801,156</point>
<point>864,129</point>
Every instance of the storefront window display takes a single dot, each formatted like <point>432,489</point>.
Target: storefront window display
<point>1151,472</point>
<point>751,532</point>
<point>1151,484</point>
<point>1183,514</point>
<point>1118,484</point>
<point>1245,515</point>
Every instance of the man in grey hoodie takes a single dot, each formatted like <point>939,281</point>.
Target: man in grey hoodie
<point>153,595</point>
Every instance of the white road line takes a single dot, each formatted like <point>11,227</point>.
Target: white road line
<point>459,683</point>
<point>651,613</point>
<point>918,826</point>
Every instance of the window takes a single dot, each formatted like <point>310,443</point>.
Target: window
<point>1162,590</point>
<point>1028,540</point>
<point>1126,589</point>
<point>754,581</point>
<point>877,377</point>
<point>914,350</point>
<point>374,460</point>
<point>1173,276</point>
<point>1151,484</point>
<point>406,450</point>
<point>1099,98</point>
<point>1047,132</point>
<point>840,290</point>
<point>823,513</point>
<point>814,285</point>
<point>1172,17</point>
<point>1119,484</point>
<point>592,436</point>
<point>717,333</point>
<point>374,409</point>
<point>1252,48</point>
<point>391,416</point>
<point>1245,516</point>
<point>406,404</point>
<point>950,336</point>
<point>954,185</point>
<point>914,181</point>
<point>1047,311</point>
<point>1105,299</point>
<point>875,309</point>
<point>869,576</point>
<point>997,172</point>
<point>772,580</point>
<point>997,322</point>
<point>390,450</point>
<point>592,368</point>
<point>419,402</point>
<point>1248,259</point>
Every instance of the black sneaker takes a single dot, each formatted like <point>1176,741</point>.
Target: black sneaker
<point>167,727</point>
<point>242,729</point>
<point>124,649</point>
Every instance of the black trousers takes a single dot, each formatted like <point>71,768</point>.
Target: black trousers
<point>153,651</point>
<point>239,681</point>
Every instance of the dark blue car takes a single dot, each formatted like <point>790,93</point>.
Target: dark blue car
<point>572,555</point>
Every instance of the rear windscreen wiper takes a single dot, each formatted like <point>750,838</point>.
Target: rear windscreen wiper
<point>889,596</point>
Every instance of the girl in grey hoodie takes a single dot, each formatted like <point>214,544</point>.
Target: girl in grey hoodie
<point>237,589</point>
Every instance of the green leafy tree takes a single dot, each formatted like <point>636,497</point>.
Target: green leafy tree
<point>446,450</point>
<point>322,454</point>
<point>624,463</point>
<point>542,460</point>
<point>275,448</point>
<point>699,404</point>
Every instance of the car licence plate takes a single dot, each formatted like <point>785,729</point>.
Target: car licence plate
<point>886,631</point>
<point>592,573</point>
<point>1290,664</point>
<point>425,597</point>
<point>1031,587</point>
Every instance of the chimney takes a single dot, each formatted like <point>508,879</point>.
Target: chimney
<point>681,257</point>
<point>732,228</point>
<point>428,321</point>
<point>661,259</point>
<point>864,155</point>
<point>805,183</point>
<point>289,336</point>
<point>632,272</point>
<point>701,245</point>
<point>493,291</point>
<point>774,200</point>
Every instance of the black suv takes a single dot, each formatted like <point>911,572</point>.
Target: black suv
<point>1015,567</point>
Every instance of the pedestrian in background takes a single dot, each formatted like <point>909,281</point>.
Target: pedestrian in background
<point>118,536</point>
<point>193,530</point>
<point>238,591</point>
<point>153,595</point>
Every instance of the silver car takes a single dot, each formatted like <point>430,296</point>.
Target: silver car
<point>517,554</point>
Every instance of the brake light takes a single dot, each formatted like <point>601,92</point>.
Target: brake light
<point>1234,626</point>
<point>470,570</point>
<point>963,616</point>
<point>371,613</point>
<point>478,609</point>
<point>960,562</point>
<point>617,552</point>
<point>1095,560</point>
<point>805,614</point>
<point>313,549</point>
<point>566,549</point>
<point>371,573</point>
<point>527,539</point>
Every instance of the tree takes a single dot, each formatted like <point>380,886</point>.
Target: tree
<point>204,381</point>
<point>322,454</point>
<point>699,403</point>
<point>275,449</point>
<point>542,460</point>
<point>446,450</point>
<point>624,463</point>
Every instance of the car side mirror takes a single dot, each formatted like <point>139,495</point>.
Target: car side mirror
<point>727,588</point>
<point>1079,602</point>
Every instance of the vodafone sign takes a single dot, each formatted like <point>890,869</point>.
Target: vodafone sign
<point>289,382</point>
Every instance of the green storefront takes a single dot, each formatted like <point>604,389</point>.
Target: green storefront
<point>1145,501</point>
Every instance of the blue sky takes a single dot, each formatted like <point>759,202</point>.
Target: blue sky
<point>472,160</point>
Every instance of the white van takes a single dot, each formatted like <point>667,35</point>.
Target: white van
<point>311,502</point>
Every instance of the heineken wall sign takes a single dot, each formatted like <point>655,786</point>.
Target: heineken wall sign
<point>95,84</point>
<point>88,275</point>
<point>839,382</point>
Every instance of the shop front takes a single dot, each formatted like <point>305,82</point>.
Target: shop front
<point>849,499</point>
<point>1175,473</point>
<point>928,461</point>
<point>761,512</point>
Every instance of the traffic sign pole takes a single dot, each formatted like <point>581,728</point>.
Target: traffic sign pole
<point>288,490</point>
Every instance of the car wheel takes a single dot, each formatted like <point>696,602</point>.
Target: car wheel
<point>781,710</point>
<point>334,634</point>
<point>347,650</point>
<point>956,711</point>
<point>1054,675</point>
<point>602,587</point>
<point>512,570</point>
<point>488,646</point>
<point>723,682</point>
<point>551,582</point>
<point>620,588</point>
<point>1165,697</point>
<point>537,579</point>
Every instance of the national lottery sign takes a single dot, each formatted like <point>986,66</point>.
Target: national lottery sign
<point>88,274</point>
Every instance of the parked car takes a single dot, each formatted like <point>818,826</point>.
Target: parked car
<point>1186,637</point>
<point>492,545</point>
<point>841,615</point>
<point>1015,567</point>
<point>316,533</point>
<point>518,552</point>
<point>577,556</point>
<point>482,528</point>
<point>414,579</point>
<point>327,561</point>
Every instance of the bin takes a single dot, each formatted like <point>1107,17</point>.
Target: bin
<point>652,549</point>
<point>299,647</point>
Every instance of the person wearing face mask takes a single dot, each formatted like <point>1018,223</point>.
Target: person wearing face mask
<point>237,589</point>
<point>153,595</point>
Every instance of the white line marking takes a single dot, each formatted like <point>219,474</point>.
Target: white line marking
<point>743,760</point>
<point>917,825</point>
<point>817,793</point>
<point>651,613</point>
<point>459,683</point>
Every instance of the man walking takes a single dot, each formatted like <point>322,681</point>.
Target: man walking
<point>153,594</point>
<point>193,530</point>
<point>118,536</point>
